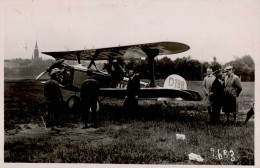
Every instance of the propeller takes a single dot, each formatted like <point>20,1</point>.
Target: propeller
<point>54,65</point>
<point>41,74</point>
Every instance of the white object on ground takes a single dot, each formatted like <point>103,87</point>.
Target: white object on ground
<point>193,156</point>
<point>180,136</point>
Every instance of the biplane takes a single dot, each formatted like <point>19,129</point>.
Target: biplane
<point>112,82</point>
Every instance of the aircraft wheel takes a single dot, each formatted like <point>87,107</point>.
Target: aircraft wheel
<point>98,107</point>
<point>73,108</point>
<point>73,103</point>
<point>98,113</point>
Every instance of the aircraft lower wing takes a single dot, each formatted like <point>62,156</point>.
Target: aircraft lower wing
<point>195,95</point>
<point>152,93</point>
<point>145,93</point>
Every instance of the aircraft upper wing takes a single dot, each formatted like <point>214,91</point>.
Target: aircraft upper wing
<point>130,51</point>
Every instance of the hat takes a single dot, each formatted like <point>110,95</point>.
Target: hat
<point>54,71</point>
<point>228,68</point>
<point>217,72</point>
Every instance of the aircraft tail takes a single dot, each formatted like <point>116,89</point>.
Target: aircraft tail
<point>178,83</point>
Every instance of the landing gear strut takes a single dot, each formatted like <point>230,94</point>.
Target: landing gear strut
<point>151,54</point>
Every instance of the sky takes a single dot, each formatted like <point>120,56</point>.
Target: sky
<point>224,29</point>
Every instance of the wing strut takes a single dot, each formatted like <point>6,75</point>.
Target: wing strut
<point>93,59</point>
<point>78,57</point>
<point>151,54</point>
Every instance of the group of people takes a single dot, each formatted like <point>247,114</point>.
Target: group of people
<point>89,93</point>
<point>221,92</point>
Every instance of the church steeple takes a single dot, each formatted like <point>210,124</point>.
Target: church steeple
<point>36,52</point>
<point>36,46</point>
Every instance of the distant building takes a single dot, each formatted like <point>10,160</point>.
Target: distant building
<point>35,55</point>
<point>16,64</point>
<point>10,64</point>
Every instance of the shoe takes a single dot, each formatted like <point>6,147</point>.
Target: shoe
<point>207,123</point>
<point>227,123</point>
<point>55,129</point>
<point>94,126</point>
<point>85,127</point>
<point>60,126</point>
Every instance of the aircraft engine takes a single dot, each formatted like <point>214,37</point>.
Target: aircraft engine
<point>68,74</point>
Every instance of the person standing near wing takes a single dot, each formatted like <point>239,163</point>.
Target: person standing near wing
<point>216,97</point>
<point>116,74</point>
<point>206,85</point>
<point>89,98</point>
<point>53,98</point>
<point>133,87</point>
<point>231,91</point>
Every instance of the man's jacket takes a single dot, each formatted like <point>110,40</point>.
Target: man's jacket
<point>52,92</point>
<point>89,89</point>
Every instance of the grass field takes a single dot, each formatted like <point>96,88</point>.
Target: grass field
<point>149,137</point>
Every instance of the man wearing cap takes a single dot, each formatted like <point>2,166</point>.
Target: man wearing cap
<point>206,85</point>
<point>231,91</point>
<point>53,98</point>
<point>89,98</point>
<point>216,97</point>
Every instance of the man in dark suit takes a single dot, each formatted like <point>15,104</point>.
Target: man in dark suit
<point>216,97</point>
<point>133,87</point>
<point>89,98</point>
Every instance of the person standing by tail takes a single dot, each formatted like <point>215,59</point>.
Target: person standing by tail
<point>231,91</point>
<point>206,85</point>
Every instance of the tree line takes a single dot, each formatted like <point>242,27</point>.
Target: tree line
<point>187,67</point>
<point>192,69</point>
